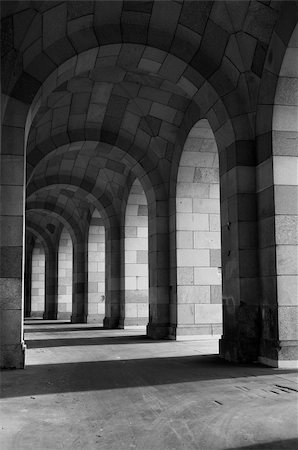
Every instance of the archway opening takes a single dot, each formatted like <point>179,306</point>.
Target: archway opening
<point>38,280</point>
<point>199,289</point>
<point>135,308</point>
<point>96,269</point>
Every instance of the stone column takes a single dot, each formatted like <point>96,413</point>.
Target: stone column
<point>27,279</point>
<point>65,275</point>
<point>79,294</point>
<point>159,308</point>
<point>112,316</point>
<point>278,208</point>
<point>11,235</point>
<point>51,284</point>
<point>239,240</point>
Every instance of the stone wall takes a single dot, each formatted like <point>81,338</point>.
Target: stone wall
<point>38,280</point>
<point>135,308</point>
<point>96,270</point>
<point>199,299</point>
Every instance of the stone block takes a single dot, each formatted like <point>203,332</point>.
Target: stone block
<point>287,91</point>
<point>186,314</point>
<point>142,232</point>
<point>207,276</point>
<point>288,322</point>
<point>192,222</point>
<point>184,205</point>
<point>197,159</point>
<point>12,170</point>
<point>215,258</point>
<point>143,310</point>
<point>207,239</point>
<point>206,206</point>
<point>186,174</point>
<point>193,190</point>
<point>11,262</point>
<point>131,256</point>
<point>208,313</point>
<point>285,169</point>
<point>136,221</point>
<point>214,222</point>
<point>286,229</point>
<point>142,257</point>
<point>195,258</point>
<point>130,283</point>
<point>193,294</point>
<point>163,112</point>
<point>185,276</point>
<point>11,200</point>
<point>285,118</point>
<point>264,175</point>
<point>266,232</point>
<point>206,175</point>
<point>11,293</point>
<point>138,270</point>
<point>136,244</point>
<point>248,263</point>
<point>214,191</point>
<point>287,290</point>
<point>54,25</point>
<point>11,229</point>
<point>159,12</point>
<point>284,143</point>
<point>92,308</point>
<point>10,332</point>
<point>185,239</point>
<point>216,294</point>
<point>131,310</point>
<point>286,260</point>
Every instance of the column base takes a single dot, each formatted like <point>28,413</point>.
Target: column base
<point>50,315</point>
<point>111,322</point>
<point>12,356</point>
<point>158,331</point>
<point>242,350</point>
<point>281,354</point>
<point>78,319</point>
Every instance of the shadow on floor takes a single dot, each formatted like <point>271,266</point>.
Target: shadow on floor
<point>81,341</point>
<point>62,329</point>
<point>128,373</point>
<point>287,444</point>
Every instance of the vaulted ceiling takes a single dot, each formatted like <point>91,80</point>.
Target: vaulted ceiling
<point>112,89</point>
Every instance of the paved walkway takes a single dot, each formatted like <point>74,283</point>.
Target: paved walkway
<point>89,388</point>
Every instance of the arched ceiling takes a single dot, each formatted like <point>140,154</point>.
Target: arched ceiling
<point>113,87</point>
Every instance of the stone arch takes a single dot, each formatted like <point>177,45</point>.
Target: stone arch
<point>38,280</point>
<point>50,307</point>
<point>277,186</point>
<point>135,283</point>
<point>199,296</point>
<point>96,269</point>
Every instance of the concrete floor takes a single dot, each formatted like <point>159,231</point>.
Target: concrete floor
<point>89,388</point>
